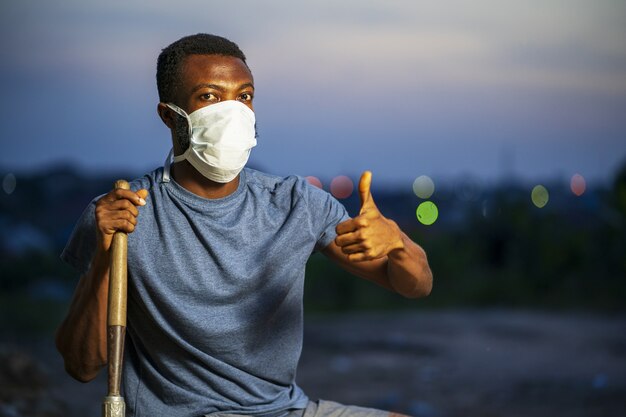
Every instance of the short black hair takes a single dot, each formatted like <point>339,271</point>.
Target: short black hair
<point>171,57</point>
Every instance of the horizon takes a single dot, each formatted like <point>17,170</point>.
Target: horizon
<point>380,185</point>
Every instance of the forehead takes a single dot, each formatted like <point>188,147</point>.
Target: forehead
<point>213,69</point>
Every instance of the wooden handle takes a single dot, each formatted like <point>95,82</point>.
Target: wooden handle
<point>117,275</point>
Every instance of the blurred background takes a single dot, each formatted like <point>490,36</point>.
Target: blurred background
<point>497,139</point>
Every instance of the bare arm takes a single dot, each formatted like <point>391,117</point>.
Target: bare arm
<point>81,337</point>
<point>373,247</point>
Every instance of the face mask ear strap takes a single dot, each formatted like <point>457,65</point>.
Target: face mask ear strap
<point>166,167</point>
<point>182,113</point>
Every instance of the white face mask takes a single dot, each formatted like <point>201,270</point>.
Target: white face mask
<point>221,137</point>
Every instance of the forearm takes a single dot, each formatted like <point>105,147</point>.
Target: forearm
<point>408,272</point>
<point>81,338</point>
<point>403,270</point>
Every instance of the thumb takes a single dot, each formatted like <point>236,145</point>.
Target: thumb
<point>364,190</point>
<point>142,194</point>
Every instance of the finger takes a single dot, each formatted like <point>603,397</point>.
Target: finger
<point>346,227</point>
<point>348,239</point>
<point>365,255</point>
<point>354,248</point>
<point>143,193</point>
<point>124,205</point>
<point>352,225</point>
<point>123,221</point>
<point>364,190</point>
<point>117,205</point>
<point>106,219</point>
<point>119,225</point>
<point>131,196</point>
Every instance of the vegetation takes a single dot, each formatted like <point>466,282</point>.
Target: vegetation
<point>494,249</point>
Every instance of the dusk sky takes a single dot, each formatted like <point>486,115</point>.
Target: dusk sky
<point>534,89</point>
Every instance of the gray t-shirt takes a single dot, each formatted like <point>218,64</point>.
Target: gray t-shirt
<point>215,294</point>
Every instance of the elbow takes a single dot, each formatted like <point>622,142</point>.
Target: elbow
<point>74,366</point>
<point>419,293</point>
<point>422,289</point>
<point>422,278</point>
<point>79,369</point>
<point>80,373</point>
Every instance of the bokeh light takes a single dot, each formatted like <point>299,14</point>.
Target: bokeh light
<point>314,181</point>
<point>427,213</point>
<point>468,189</point>
<point>578,185</point>
<point>341,187</point>
<point>8,183</point>
<point>540,196</point>
<point>423,186</point>
<point>490,208</point>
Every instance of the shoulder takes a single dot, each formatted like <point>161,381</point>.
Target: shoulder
<point>274,184</point>
<point>294,188</point>
<point>147,181</point>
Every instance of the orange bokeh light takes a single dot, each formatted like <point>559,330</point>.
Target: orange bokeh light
<point>314,181</point>
<point>341,187</point>
<point>578,185</point>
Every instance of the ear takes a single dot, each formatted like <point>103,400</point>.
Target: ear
<point>167,115</point>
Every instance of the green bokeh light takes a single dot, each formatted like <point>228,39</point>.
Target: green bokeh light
<point>427,213</point>
<point>540,196</point>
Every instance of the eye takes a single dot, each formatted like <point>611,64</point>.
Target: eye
<point>209,97</point>
<point>246,97</point>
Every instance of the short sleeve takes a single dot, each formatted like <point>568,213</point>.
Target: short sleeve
<point>81,246</point>
<point>82,243</point>
<point>326,213</point>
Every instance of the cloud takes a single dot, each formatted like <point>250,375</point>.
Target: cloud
<point>450,72</point>
<point>484,43</point>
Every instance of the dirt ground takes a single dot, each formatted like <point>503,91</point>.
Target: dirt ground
<point>425,364</point>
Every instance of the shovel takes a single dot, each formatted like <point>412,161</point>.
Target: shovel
<point>113,404</point>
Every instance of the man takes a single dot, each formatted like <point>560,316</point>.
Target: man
<point>216,256</point>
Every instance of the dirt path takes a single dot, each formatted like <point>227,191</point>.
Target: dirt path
<point>428,364</point>
<point>473,363</point>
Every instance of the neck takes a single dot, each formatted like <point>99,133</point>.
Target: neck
<point>191,180</point>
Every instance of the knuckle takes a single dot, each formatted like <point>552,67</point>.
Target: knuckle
<point>106,228</point>
<point>127,205</point>
<point>101,205</point>
<point>130,217</point>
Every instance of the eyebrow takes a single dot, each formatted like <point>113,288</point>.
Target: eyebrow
<point>220,88</point>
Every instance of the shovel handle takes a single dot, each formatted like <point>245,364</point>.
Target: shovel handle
<point>117,275</point>
<point>113,404</point>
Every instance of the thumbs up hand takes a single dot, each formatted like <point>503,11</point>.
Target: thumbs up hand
<point>369,235</point>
